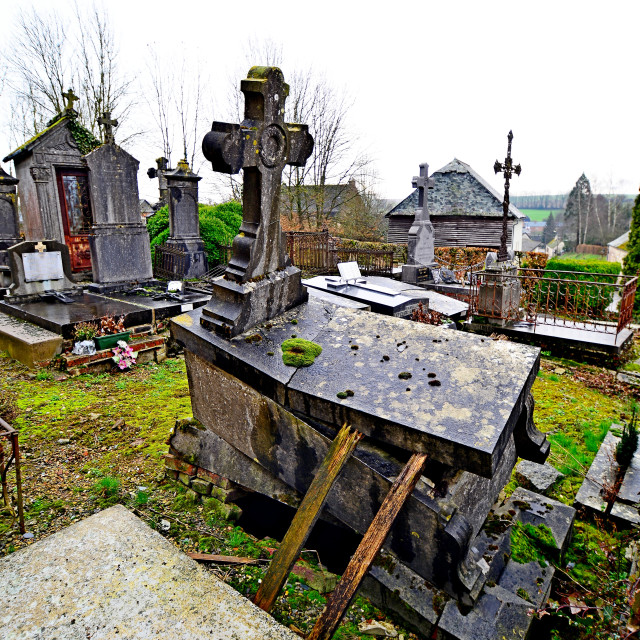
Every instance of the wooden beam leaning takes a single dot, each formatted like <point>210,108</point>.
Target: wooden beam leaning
<point>285,557</point>
<point>371,543</point>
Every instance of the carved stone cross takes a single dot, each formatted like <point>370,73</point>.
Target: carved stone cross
<point>108,125</point>
<point>262,144</point>
<point>421,183</point>
<point>508,170</point>
<point>40,247</point>
<point>70,98</point>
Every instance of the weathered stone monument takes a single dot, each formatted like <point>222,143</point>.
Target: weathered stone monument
<point>120,251</point>
<point>159,171</point>
<point>258,284</point>
<point>500,288</point>
<point>184,222</point>
<point>9,222</point>
<point>409,388</point>
<point>421,243</point>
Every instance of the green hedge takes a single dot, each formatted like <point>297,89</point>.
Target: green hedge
<point>591,266</point>
<point>219,224</point>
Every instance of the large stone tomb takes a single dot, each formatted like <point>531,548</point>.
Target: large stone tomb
<point>462,399</point>
<point>119,241</point>
<point>111,576</point>
<point>9,222</point>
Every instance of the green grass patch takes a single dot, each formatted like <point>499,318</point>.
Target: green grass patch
<point>540,215</point>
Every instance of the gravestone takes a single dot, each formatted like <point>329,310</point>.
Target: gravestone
<point>259,282</point>
<point>420,261</point>
<point>9,222</point>
<point>39,268</point>
<point>184,221</point>
<point>119,241</point>
<point>499,290</point>
<point>160,171</point>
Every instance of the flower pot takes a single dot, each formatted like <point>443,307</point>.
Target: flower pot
<point>108,342</point>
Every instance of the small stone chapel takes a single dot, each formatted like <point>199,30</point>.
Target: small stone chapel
<point>54,184</point>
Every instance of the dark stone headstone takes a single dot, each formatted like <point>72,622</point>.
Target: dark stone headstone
<point>184,222</point>
<point>120,250</point>
<point>9,221</point>
<point>259,283</point>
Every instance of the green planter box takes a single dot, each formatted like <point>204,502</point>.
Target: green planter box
<point>108,342</point>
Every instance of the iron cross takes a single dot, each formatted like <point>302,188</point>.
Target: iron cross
<point>108,125</point>
<point>262,144</point>
<point>70,98</point>
<point>508,170</point>
<point>422,182</point>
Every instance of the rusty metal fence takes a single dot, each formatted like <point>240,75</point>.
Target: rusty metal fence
<point>371,262</point>
<point>309,251</point>
<point>169,263</point>
<point>7,432</point>
<point>587,301</point>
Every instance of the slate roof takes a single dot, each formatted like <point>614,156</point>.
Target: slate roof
<point>618,242</point>
<point>458,190</point>
<point>26,147</point>
<point>528,243</point>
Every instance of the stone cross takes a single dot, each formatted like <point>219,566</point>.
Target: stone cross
<point>262,144</point>
<point>108,125</point>
<point>508,170</point>
<point>40,247</point>
<point>421,183</point>
<point>71,98</point>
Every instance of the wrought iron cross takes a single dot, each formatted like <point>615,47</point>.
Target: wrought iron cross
<point>421,183</point>
<point>262,144</point>
<point>508,170</point>
<point>71,98</point>
<point>108,125</point>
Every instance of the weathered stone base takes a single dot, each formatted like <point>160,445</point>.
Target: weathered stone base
<point>120,253</point>
<point>499,294</point>
<point>28,343</point>
<point>414,273</point>
<point>235,307</point>
<point>195,256</point>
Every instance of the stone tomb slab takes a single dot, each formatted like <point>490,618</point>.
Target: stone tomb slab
<point>26,342</point>
<point>163,309</point>
<point>111,576</point>
<point>466,393</point>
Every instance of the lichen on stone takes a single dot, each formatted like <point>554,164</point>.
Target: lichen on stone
<point>297,352</point>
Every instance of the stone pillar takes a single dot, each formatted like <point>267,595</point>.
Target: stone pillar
<point>500,291</point>
<point>119,241</point>
<point>51,222</point>
<point>9,220</point>
<point>184,222</point>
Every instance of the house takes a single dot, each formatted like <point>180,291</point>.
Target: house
<point>529,244</point>
<point>618,249</point>
<point>555,247</point>
<point>146,209</point>
<point>54,190</point>
<point>465,211</point>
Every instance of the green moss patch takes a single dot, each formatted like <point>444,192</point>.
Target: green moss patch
<point>297,352</point>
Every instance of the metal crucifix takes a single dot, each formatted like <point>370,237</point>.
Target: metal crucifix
<point>108,125</point>
<point>508,170</point>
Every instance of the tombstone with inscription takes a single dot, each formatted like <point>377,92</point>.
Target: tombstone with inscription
<point>40,269</point>
<point>266,421</point>
<point>120,250</point>
<point>184,221</point>
<point>420,261</point>
<point>9,222</point>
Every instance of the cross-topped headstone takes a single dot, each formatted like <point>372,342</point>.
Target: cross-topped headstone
<point>108,125</point>
<point>508,170</point>
<point>422,182</point>
<point>40,247</point>
<point>261,145</point>
<point>70,97</point>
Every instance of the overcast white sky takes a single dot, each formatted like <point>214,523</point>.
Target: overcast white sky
<point>431,80</point>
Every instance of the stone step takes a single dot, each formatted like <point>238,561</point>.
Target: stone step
<point>112,576</point>
<point>28,343</point>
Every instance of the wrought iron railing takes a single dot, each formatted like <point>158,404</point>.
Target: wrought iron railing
<point>169,263</point>
<point>6,461</point>
<point>372,262</point>
<point>309,251</point>
<point>588,301</point>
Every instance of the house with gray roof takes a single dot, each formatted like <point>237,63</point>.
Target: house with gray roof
<point>618,249</point>
<point>466,211</point>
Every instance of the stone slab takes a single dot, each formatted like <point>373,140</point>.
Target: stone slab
<point>163,309</point>
<point>111,576</point>
<point>337,300</point>
<point>538,477</point>
<point>27,342</point>
<point>630,487</point>
<point>464,421</point>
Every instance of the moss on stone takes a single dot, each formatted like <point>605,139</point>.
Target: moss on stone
<point>297,352</point>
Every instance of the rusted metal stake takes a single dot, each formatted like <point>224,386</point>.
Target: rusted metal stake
<point>286,555</point>
<point>16,453</point>
<point>371,542</point>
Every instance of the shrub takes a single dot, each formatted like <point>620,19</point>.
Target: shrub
<point>628,443</point>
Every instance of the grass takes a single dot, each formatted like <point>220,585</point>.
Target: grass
<point>585,257</point>
<point>539,215</point>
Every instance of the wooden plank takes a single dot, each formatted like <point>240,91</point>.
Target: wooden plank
<point>210,557</point>
<point>285,557</point>
<point>367,550</point>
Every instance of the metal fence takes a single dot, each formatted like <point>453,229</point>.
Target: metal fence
<point>309,251</point>
<point>371,262</point>
<point>169,263</point>
<point>588,301</point>
<point>13,458</point>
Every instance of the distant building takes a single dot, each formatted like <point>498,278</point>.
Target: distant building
<point>618,249</point>
<point>465,211</point>
<point>555,247</point>
<point>529,244</point>
<point>146,209</point>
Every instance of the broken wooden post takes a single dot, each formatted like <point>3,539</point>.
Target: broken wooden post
<point>367,550</point>
<point>283,560</point>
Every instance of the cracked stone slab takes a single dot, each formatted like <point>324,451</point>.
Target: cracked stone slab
<point>112,576</point>
<point>537,477</point>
